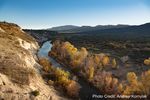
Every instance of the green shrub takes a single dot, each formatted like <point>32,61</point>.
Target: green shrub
<point>35,93</point>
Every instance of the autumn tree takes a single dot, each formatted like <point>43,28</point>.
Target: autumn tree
<point>120,88</point>
<point>132,78</point>
<point>96,59</point>
<point>62,77</point>
<point>73,89</point>
<point>114,63</point>
<point>79,57</point>
<point>145,79</point>
<point>134,86</point>
<point>45,63</point>
<point>105,60</point>
<point>105,82</point>
<point>147,61</point>
<point>55,48</point>
<point>91,73</point>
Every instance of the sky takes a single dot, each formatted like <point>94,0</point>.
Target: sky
<point>39,14</point>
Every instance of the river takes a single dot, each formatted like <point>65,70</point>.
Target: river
<point>86,90</point>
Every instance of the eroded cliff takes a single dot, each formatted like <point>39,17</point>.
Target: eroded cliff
<point>19,69</point>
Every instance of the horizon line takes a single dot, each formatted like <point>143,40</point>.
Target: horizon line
<point>83,25</point>
<point>45,28</point>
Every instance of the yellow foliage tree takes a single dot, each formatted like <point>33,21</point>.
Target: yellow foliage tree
<point>105,60</point>
<point>64,81</point>
<point>134,86</point>
<point>120,88</point>
<point>147,61</point>
<point>114,63</point>
<point>110,85</point>
<point>62,76</point>
<point>91,72</point>
<point>145,79</point>
<point>46,64</point>
<point>132,78</point>
<point>59,72</point>
<point>96,59</point>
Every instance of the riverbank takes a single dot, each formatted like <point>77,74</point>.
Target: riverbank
<point>87,90</point>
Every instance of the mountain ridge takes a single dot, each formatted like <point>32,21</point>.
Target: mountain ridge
<point>115,29</point>
<point>62,28</point>
<point>75,29</point>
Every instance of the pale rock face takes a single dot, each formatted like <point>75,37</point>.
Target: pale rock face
<point>4,80</point>
<point>21,30</point>
<point>1,30</point>
<point>29,60</point>
<point>19,70</point>
<point>11,91</point>
<point>27,45</point>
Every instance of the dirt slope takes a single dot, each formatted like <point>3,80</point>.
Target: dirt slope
<point>19,70</point>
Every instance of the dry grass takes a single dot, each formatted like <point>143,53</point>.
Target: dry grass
<point>17,64</point>
<point>12,62</point>
<point>14,30</point>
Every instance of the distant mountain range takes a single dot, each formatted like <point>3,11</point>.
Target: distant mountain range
<point>111,30</point>
<point>139,32</point>
<point>143,29</point>
<point>77,29</point>
<point>64,28</point>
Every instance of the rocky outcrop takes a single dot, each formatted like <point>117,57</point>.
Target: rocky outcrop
<point>19,70</point>
<point>42,35</point>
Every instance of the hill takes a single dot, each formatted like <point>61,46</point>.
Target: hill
<point>20,73</point>
<point>63,28</point>
<point>76,29</point>
<point>130,29</point>
<point>41,35</point>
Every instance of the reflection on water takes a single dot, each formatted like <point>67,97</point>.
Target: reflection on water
<point>43,52</point>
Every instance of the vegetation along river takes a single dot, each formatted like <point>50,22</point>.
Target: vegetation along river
<point>86,90</point>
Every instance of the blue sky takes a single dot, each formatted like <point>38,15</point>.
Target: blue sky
<point>49,13</point>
